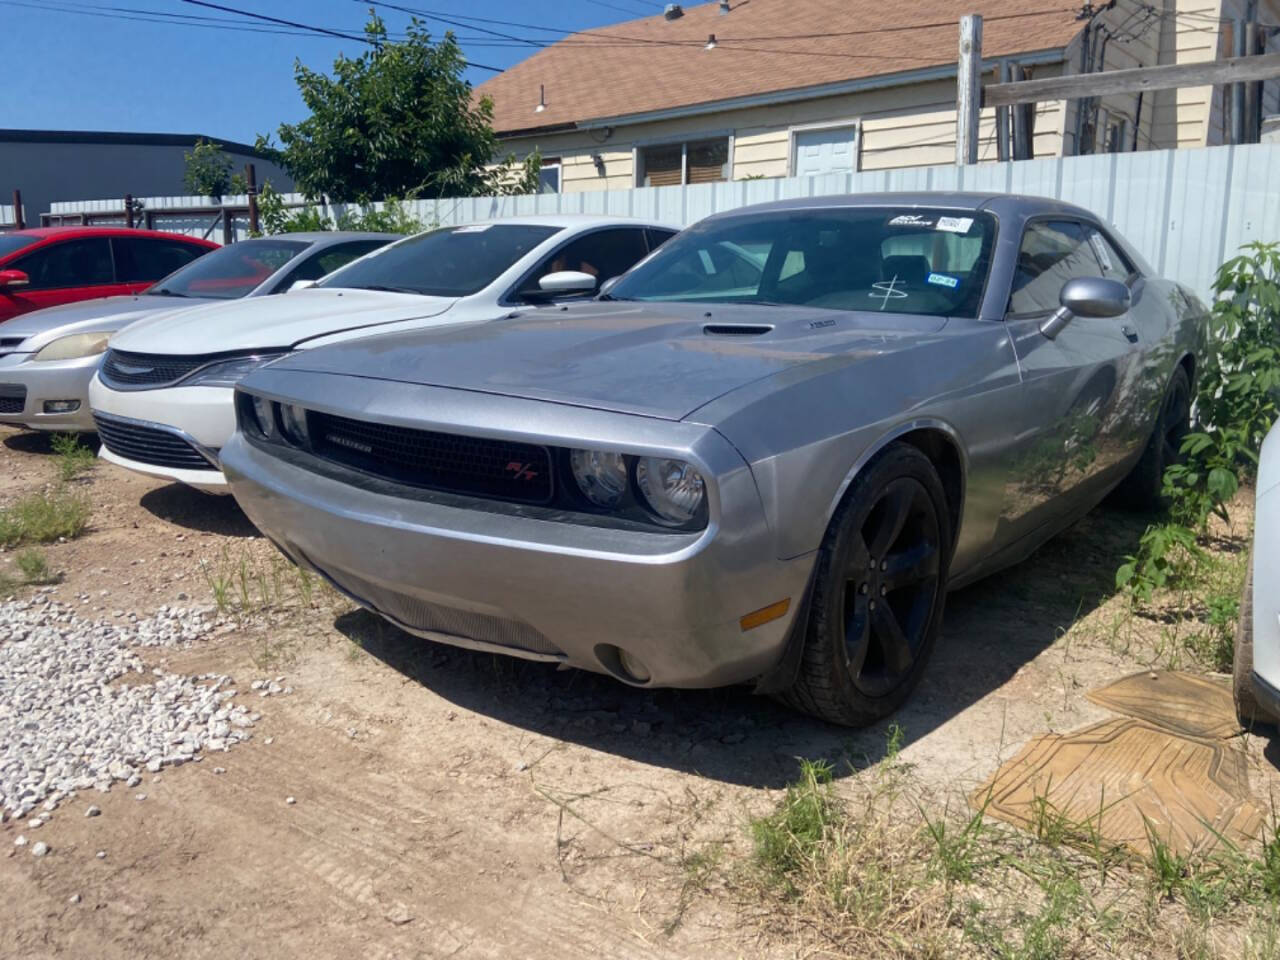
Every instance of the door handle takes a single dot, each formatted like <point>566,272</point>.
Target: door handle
<point>1130,332</point>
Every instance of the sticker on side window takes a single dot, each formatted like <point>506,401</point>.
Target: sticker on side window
<point>474,228</point>
<point>942,280</point>
<point>955,224</point>
<point>911,220</point>
<point>1100,248</point>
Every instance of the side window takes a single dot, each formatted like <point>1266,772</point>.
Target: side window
<point>603,254</point>
<point>1052,252</point>
<point>1115,265</point>
<point>72,263</point>
<point>657,237</point>
<point>147,259</point>
<point>328,260</point>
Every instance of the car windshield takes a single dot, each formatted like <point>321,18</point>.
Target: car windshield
<point>10,244</point>
<point>453,262</point>
<point>229,272</point>
<point>883,259</point>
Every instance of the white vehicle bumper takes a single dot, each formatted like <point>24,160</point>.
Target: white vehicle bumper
<point>47,395</point>
<point>1266,600</point>
<point>173,433</point>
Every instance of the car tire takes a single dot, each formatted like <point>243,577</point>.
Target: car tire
<point>1248,711</point>
<point>874,620</point>
<point>1142,488</point>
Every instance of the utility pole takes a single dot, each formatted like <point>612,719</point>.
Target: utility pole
<point>19,222</point>
<point>1254,42</point>
<point>969,88</point>
<point>251,180</point>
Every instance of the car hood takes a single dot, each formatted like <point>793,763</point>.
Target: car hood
<point>661,361</point>
<point>284,320</point>
<point>87,316</point>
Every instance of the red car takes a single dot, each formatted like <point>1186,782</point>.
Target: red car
<point>54,265</point>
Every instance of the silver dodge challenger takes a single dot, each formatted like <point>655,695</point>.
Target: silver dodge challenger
<point>762,456</point>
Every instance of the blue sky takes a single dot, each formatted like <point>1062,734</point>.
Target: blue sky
<point>71,70</point>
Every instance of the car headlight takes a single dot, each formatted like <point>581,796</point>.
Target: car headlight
<point>227,373</point>
<point>75,346</point>
<point>262,417</point>
<point>601,476</point>
<point>673,489</point>
<point>293,423</point>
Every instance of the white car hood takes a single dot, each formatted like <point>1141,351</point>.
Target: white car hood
<point>285,320</point>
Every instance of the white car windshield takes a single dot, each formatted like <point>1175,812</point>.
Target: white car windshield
<point>230,272</point>
<point>453,262</point>
<point>882,259</point>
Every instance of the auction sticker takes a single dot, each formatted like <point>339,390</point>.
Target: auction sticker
<point>955,224</point>
<point>942,280</point>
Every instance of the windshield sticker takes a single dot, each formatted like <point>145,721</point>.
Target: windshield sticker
<point>911,220</point>
<point>955,224</point>
<point>474,228</point>
<point>942,280</point>
<point>1100,249</point>
<point>887,290</point>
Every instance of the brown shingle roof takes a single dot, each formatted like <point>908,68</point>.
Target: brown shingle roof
<point>657,64</point>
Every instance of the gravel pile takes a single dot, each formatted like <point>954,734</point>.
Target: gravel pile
<point>79,709</point>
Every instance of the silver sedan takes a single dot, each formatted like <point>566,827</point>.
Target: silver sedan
<point>48,357</point>
<point>763,456</point>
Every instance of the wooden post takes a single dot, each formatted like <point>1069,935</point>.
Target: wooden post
<point>19,222</point>
<point>227,235</point>
<point>128,210</point>
<point>1003,150</point>
<point>251,178</point>
<point>1237,89</point>
<point>1255,42</point>
<point>969,88</point>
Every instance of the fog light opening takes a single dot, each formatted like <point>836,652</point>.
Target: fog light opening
<point>627,667</point>
<point>61,406</point>
<point>759,618</point>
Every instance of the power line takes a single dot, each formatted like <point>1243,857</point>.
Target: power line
<point>125,13</point>
<point>277,20</point>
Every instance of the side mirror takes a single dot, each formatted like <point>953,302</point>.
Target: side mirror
<point>300,285</point>
<point>609,285</point>
<point>1096,297</point>
<point>13,278</point>
<point>565,282</point>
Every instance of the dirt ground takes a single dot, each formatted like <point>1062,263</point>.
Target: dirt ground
<point>452,804</point>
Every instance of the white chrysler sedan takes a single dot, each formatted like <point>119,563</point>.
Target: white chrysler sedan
<point>162,399</point>
<point>1257,646</point>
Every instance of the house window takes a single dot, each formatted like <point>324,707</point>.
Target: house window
<point>549,176</point>
<point>698,161</point>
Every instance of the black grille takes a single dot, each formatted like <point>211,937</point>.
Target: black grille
<point>13,397</point>
<point>158,448</point>
<point>9,344</point>
<point>477,466</point>
<point>148,369</point>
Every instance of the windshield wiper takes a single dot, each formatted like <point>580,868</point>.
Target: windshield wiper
<point>383,288</point>
<point>166,292</point>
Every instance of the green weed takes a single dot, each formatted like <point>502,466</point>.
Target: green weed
<point>44,517</point>
<point>74,458</point>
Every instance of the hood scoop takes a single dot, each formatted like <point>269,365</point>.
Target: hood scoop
<point>736,329</point>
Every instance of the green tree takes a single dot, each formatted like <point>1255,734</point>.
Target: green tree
<point>208,170</point>
<point>399,121</point>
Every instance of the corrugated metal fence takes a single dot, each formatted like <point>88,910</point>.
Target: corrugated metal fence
<point>1186,210</point>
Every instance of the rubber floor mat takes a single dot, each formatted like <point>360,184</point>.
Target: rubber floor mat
<point>1178,702</point>
<point>1122,777</point>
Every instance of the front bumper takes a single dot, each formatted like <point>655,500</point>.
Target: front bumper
<point>1266,596</point>
<point>35,384</point>
<point>535,588</point>
<point>202,417</point>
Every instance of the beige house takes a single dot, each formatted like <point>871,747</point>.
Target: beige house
<point>773,88</point>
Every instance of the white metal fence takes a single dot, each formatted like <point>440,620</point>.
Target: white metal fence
<point>1186,210</point>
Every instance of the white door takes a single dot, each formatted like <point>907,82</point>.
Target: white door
<point>830,150</point>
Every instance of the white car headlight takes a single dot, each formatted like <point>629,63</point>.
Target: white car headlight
<point>75,346</point>
<point>601,476</point>
<point>673,489</point>
<point>227,373</point>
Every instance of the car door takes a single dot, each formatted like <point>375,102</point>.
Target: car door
<point>1074,433</point>
<point>604,254</point>
<point>141,261</point>
<point>65,271</point>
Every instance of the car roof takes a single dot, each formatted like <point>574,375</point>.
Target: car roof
<point>577,220</point>
<point>998,203</point>
<point>44,233</point>
<point>326,238</point>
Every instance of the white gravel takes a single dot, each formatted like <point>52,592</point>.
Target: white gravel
<point>66,724</point>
